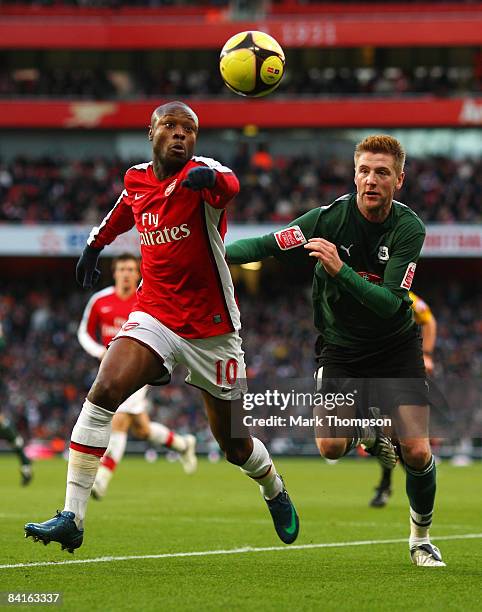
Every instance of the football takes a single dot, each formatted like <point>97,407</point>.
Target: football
<point>252,63</point>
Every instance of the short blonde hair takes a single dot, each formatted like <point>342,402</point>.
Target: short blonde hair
<point>382,143</point>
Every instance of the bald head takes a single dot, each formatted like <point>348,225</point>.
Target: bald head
<point>173,133</point>
<point>173,107</point>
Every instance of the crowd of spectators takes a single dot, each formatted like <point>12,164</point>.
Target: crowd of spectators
<point>273,188</point>
<point>45,373</point>
<point>439,189</point>
<point>102,84</point>
<point>56,190</point>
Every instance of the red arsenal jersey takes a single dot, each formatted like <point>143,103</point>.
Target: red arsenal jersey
<point>186,282</point>
<point>103,317</point>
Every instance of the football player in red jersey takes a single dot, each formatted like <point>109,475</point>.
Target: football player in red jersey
<point>105,314</point>
<point>185,313</point>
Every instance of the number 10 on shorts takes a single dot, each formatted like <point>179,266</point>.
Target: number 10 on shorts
<point>226,371</point>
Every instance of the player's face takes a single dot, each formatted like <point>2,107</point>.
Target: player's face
<point>376,181</point>
<point>126,276</point>
<point>173,138</point>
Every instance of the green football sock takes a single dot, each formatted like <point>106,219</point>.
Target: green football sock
<point>386,480</point>
<point>421,485</point>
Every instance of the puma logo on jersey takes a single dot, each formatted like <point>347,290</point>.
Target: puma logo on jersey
<point>170,188</point>
<point>383,255</point>
<point>347,249</point>
<point>290,238</point>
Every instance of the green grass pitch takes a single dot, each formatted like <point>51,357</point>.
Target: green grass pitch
<point>152,509</point>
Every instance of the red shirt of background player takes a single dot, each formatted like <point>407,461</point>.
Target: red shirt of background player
<point>104,315</point>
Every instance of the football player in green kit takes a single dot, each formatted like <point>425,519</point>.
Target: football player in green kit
<point>366,247</point>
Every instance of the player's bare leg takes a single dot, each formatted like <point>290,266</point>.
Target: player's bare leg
<point>334,442</point>
<point>251,455</point>
<point>412,426</point>
<point>127,367</point>
<point>334,448</point>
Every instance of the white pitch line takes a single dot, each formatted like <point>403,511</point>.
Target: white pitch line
<point>236,551</point>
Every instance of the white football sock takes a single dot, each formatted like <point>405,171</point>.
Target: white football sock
<point>18,442</point>
<point>117,446</point>
<point>163,436</point>
<point>89,440</point>
<point>102,480</point>
<point>259,467</point>
<point>108,463</point>
<point>419,534</point>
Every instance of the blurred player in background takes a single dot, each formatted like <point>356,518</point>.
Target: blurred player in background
<point>424,318</point>
<point>185,313</point>
<point>105,314</point>
<point>9,432</point>
<point>366,245</point>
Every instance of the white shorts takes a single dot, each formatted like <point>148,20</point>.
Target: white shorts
<point>214,364</point>
<point>135,403</point>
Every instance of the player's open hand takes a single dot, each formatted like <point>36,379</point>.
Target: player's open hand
<point>326,253</point>
<point>199,178</point>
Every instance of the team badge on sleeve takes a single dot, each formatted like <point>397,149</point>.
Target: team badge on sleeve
<point>290,238</point>
<point>408,277</point>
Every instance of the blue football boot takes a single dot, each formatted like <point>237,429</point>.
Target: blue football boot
<point>285,519</point>
<point>61,528</point>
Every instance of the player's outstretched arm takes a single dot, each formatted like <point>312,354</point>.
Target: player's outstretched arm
<point>284,244</point>
<point>249,249</point>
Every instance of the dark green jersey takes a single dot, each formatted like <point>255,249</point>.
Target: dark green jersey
<point>366,304</point>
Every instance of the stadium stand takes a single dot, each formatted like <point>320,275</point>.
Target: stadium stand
<point>77,82</point>
<point>57,190</point>
<point>423,69</point>
<point>278,337</point>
